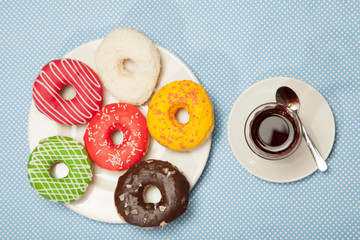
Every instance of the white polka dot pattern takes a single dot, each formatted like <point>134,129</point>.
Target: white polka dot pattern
<point>229,45</point>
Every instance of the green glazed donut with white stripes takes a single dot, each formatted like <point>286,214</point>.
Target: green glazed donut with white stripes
<point>56,149</point>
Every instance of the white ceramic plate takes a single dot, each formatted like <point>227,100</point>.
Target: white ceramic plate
<point>97,202</point>
<point>315,114</point>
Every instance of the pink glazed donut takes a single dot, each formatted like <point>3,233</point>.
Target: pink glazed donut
<point>59,73</point>
<point>100,146</point>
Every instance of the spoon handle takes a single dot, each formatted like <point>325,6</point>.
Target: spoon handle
<point>320,162</point>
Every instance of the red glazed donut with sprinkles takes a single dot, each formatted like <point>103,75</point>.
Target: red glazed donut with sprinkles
<point>51,80</point>
<point>100,146</point>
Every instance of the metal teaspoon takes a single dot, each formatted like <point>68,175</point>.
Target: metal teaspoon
<point>287,97</point>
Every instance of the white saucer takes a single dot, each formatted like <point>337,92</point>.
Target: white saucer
<point>315,114</point>
<point>98,200</point>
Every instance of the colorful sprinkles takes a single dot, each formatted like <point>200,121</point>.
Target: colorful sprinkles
<point>162,110</point>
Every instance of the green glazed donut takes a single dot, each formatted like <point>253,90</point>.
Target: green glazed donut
<point>56,149</point>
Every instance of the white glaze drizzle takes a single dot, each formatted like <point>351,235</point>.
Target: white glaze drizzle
<point>86,84</point>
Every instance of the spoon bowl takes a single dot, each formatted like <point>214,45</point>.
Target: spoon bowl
<point>286,96</point>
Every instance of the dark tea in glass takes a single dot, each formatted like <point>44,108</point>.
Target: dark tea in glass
<point>273,131</point>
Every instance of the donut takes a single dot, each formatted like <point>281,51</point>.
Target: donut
<point>49,152</point>
<point>100,146</point>
<point>162,122</point>
<point>59,73</point>
<point>129,194</point>
<point>118,47</point>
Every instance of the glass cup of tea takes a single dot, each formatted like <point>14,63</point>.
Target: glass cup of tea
<point>273,131</point>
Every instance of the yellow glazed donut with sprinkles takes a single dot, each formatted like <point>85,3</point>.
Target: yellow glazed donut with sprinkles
<point>163,107</point>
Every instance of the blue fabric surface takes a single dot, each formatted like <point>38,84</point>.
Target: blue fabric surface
<point>229,45</point>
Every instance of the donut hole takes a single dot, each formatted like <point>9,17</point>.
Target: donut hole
<point>127,65</point>
<point>151,194</point>
<point>117,137</point>
<point>67,92</point>
<point>59,170</point>
<point>182,116</point>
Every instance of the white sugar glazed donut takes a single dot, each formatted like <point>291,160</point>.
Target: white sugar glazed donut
<point>119,46</point>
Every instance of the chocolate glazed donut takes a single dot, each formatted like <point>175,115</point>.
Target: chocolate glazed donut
<point>129,199</point>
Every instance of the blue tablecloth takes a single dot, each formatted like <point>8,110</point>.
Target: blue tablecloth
<point>229,45</point>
